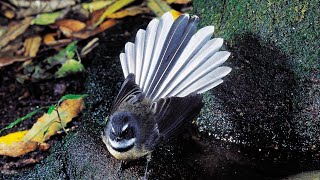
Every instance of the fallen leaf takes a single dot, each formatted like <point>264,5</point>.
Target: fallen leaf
<point>12,144</point>
<point>179,1</point>
<point>40,6</point>
<point>49,124</point>
<point>5,61</point>
<point>102,27</point>
<point>96,5</point>
<point>3,30</point>
<point>112,8</point>
<point>9,14</point>
<point>69,26</point>
<point>175,13</point>
<point>50,40</point>
<point>131,11</point>
<point>159,7</point>
<point>44,146</point>
<point>14,31</point>
<point>46,18</point>
<point>71,66</point>
<point>88,48</point>
<point>32,45</point>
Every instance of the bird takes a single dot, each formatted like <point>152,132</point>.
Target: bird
<point>167,69</point>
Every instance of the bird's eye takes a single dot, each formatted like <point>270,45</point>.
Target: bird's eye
<point>125,132</point>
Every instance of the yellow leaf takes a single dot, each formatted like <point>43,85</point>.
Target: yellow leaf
<point>49,124</point>
<point>175,13</point>
<point>159,7</point>
<point>178,1</point>
<point>131,11</point>
<point>96,5</point>
<point>12,144</point>
<point>113,8</point>
<point>32,45</point>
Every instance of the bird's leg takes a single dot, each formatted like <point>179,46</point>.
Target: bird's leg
<point>146,173</point>
<point>121,167</point>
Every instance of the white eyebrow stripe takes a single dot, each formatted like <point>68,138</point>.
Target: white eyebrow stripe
<point>123,143</point>
<point>112,128</point>
<point>125,127</point>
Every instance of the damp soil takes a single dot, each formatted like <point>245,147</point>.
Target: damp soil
<point>17,100</point>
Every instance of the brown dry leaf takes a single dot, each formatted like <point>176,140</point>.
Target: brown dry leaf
<point>69,26</point>
<point>12,144</point>
<point>131,11</point>
<point>14,31</point>
<point>49,124</point>
<point>32,45</point>
<point>105,25</point>
<point>5,61</point>
<point>50,40</point>
<point>179,1</point>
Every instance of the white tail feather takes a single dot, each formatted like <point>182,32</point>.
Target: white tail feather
<point>151,33</point>
<point>130,56</point>
<point>196,42</point>
<point>204,81</point>
<point>195,70</point>
<point>124,65</point>
<point>139,52</point>
<point>164,26</point>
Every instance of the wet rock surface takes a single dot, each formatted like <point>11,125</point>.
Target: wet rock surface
<point>261,123</point>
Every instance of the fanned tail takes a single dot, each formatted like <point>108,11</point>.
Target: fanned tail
<point>171,59</point>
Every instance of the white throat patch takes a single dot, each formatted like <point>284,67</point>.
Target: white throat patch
<point>123,143</point>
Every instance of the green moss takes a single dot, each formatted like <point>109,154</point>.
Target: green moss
<point>292,25</point>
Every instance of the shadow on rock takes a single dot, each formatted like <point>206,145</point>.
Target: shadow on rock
<point>258,96</point>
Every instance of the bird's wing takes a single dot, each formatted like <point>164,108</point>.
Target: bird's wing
<point>172,112</point>
<point>170,58</point>
<point>129,92</point>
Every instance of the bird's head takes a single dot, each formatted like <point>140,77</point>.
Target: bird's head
<point>122,131</point>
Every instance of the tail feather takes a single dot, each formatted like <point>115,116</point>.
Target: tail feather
<point>206,68</point>
<point>203,81</point>
<point>196,42</point>
<point>139,52</point>
<point>168,63</point>
<point>124,65</point>
<point>130,56</point>
<point>171,59</point>
<point>149,44</point>
<point>171,44</point>
<point>208,50</point>
<point>164,26</point>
